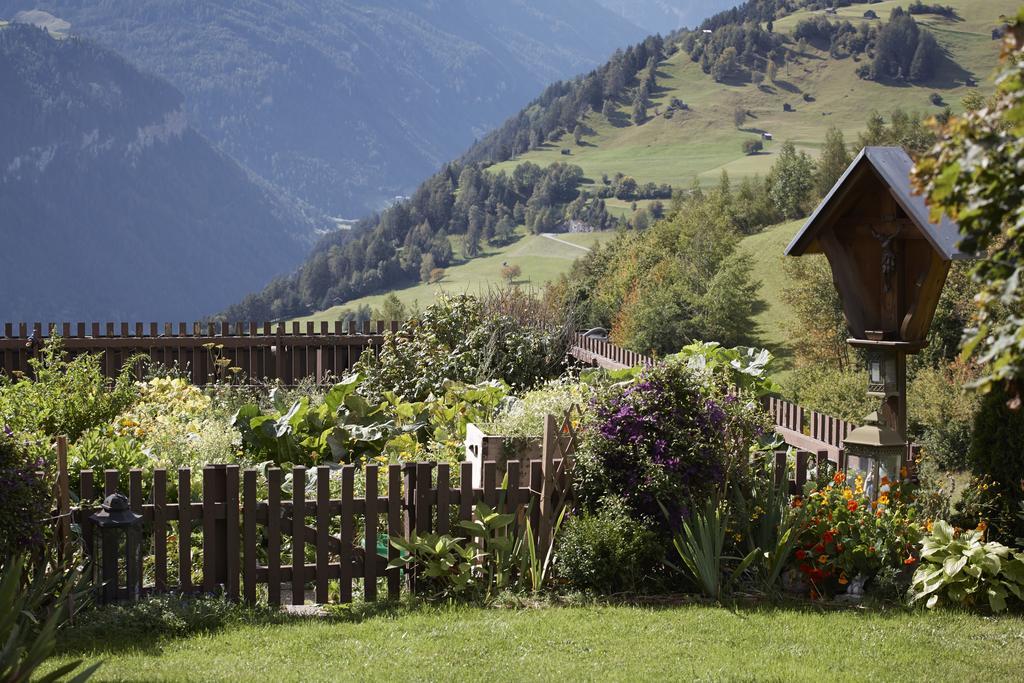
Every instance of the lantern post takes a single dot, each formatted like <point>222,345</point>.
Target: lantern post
<point>116,521</point>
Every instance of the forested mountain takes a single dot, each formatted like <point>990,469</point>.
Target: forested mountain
<point>347,103</point>
<point>652,118</point>
<point>111,205</point>
<point>390,248</point>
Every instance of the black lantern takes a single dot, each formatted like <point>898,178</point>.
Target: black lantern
<point>115,520</point>
<point>883,372</point>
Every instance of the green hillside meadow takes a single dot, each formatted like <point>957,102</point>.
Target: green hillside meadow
<point>700,143</point>
<point>541,258</point>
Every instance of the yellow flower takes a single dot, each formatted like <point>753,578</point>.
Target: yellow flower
<point>928,526</point>
<point>883,499</point>
<point>847,493</point>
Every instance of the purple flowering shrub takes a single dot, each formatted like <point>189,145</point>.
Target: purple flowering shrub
<point>663,438</point>
<point>24,497</point>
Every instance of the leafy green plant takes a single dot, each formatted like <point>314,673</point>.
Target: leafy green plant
<point>29,619</point>
<point>745,368</point>
<point>958,568</point>
<point>66,396</point>
<point>443,564</point>
<point>455,339</point>
<point>609,551</point>
<point>535,563</point>
<point>496,556</point>
<point>763,511</point>
<point>700,545</point>
<point>345,427</point>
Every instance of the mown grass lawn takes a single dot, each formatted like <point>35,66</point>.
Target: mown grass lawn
<point>590,643</point>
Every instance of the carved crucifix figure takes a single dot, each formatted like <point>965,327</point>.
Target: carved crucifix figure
<point>888,255</point>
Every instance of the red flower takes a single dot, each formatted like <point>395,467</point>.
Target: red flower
<point>852,506</point>
<point>800,554</point>
<point>820,548</point>
<point>827,537</point>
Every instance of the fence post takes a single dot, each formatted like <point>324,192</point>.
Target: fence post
<point>215,568</point>
<point>63,501</point>
<point>549,445</point>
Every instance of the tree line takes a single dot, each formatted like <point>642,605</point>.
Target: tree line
<point>412,239</point>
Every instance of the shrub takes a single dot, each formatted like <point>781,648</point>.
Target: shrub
<point>752,146</point>
<point>67,396</point>
<point>609,551</point>
<point>995,452</point>
<point>958,569</point>
<point>833,392</point>
<point>24,497</point>
<point>942,413</point>
<point>455,340</point>
<point>660,439</point>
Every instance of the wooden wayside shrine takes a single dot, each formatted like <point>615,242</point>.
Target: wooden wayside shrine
<point>889,264</point>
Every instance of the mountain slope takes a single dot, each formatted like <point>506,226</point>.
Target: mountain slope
<point>347,103</point>
<point>111,205</point>
<point>821,90</point>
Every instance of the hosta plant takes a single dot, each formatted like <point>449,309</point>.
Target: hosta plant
<point>959,569</point>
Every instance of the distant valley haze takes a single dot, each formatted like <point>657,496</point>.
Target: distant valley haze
<point>161,160</point>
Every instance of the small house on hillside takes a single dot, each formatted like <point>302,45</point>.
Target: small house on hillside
<point>766,136</point>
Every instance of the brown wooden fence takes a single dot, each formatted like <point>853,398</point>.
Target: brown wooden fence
<point>602,353</point>
<point>306,530</point>
<point>240,352</point>
<point>286,546</point>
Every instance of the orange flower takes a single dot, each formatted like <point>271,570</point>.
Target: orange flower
<point>910,560</point>
<point>839,478</point>
<point>903,472</point>
<point>852,506</point>
<point>982,526</point>
<point>843,580</point>
<point>822,559</point>
<point>797,503</point>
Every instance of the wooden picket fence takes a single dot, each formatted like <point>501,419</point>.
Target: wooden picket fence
<point>250,541</point>
<point>208,351</point>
